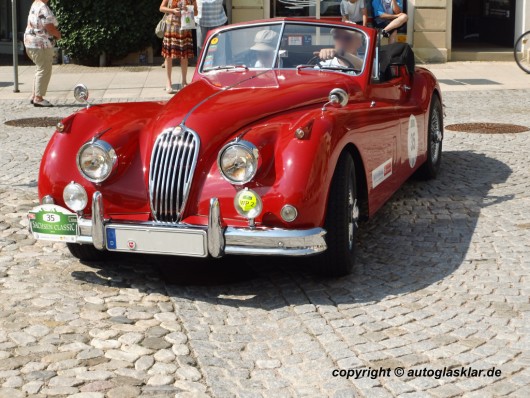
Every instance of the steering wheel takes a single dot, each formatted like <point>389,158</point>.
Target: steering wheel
<point>316,59</point>
<point>348,63</point>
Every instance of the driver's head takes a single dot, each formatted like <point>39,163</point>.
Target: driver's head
<point>347,40</point>
<point>265,43</point>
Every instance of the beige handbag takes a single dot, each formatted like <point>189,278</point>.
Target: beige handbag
<point>162,25</point>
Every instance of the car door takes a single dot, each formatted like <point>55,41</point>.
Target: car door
<point>412,123</point>
<point>382,155</point>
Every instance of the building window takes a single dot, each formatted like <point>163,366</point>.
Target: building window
<point>5,20</point>
<point>305,8</point>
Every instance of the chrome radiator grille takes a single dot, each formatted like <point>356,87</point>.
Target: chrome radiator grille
<point>172,165</point>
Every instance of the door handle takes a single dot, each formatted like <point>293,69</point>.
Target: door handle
<point>405,88</point>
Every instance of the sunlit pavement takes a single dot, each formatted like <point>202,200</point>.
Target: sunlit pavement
<point>442,282</point>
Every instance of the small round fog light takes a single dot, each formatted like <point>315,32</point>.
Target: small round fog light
<point>248,203</point>
<point>75,196</point>
<point>289,213</point>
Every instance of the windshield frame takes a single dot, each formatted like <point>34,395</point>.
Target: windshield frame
<point>283,24</point>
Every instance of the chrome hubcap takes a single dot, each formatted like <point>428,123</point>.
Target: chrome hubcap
<point>353,215</point>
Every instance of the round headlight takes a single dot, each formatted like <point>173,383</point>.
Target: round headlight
<point>96,160</point>
<point>248,203</point>
<point>238,162</point>
<point>75,197</point>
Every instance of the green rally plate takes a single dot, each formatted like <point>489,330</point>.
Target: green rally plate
<point>52,222</point>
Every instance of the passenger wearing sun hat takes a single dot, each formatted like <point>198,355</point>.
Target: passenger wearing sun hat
<point>265,43</point>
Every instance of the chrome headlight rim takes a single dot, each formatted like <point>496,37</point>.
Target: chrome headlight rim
<point>247,146</point>
<point>110,153</point>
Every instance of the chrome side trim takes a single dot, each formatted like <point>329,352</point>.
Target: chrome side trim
<point>216,239</point>
<point>98,226</point>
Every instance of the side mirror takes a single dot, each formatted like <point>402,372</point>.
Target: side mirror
<point>81,94</point>
<point>338,98</point>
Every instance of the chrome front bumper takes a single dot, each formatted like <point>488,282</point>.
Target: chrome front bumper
<point>218,240</point>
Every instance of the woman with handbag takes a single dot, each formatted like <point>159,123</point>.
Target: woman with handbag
<point>177,43</point>
<point>39,40</point>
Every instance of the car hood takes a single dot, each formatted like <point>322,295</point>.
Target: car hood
<point>221,103</point>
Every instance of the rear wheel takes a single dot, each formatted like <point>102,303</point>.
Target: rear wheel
<point>521,52</point>
<point>85,252</point>
<point>341,221</point>
<point>431,167</point>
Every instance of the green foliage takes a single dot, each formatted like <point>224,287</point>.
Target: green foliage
<point>116,27</point>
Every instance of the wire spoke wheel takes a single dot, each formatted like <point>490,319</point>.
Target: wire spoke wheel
<point>521,52</point>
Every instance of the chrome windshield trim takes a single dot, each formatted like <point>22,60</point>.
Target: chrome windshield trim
<point>283,23</point>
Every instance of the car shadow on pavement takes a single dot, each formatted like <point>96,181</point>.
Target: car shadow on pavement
<point>421,236</point>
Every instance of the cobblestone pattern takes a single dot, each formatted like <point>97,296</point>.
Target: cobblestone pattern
<point>443,281</point>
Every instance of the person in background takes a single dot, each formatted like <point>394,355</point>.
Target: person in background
<point>176,43</point>
<point>211,15</point>
<point>389,16</point>
<point>39,40</point>
<point>354,11</point>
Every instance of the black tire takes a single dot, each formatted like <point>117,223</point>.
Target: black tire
<point>341,221</point>
<point>85,252</point>
<point>522,58</point>
<point>435,132</point>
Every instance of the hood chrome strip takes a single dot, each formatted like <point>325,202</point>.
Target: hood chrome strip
<point>220,92</point>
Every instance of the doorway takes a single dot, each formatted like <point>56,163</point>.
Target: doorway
<point>483,25</point>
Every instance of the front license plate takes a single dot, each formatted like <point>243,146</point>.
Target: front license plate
<point>51,222</point>
<point>155,240</point>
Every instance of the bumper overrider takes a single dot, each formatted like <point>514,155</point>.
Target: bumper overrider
<point>195,241</point>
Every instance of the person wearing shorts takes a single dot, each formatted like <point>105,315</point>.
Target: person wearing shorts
<point>389,16</point>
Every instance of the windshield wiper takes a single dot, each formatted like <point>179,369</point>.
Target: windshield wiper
<point>226,67</point>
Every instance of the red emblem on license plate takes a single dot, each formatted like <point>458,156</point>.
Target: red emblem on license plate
<point>131,244</point>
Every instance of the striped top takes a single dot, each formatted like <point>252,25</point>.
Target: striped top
<point>211,13</point>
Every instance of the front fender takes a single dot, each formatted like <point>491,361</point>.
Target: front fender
<point>115,124</point>
<point>292,171</point>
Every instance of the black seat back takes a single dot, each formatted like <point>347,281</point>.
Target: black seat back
<point>395,54</point>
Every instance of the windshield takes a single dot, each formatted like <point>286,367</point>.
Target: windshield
<point>287,46</point>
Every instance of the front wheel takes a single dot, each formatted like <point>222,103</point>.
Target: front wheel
<point>431,167</point>
<point>521,52</point>
<point>341,221</point>
<point>85,252</point>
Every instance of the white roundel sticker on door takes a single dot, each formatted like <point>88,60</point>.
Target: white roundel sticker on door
<point>413,141</point>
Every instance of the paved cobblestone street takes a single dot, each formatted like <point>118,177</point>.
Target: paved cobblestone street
<point>443,281</point>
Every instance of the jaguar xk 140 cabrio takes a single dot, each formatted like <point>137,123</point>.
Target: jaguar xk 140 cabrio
<point>291,132</point>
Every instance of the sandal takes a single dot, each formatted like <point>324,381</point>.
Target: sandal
<point>170,90</point>
<point>42,103</point>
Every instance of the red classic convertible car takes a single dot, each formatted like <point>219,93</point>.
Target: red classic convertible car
<point>290,133</point>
